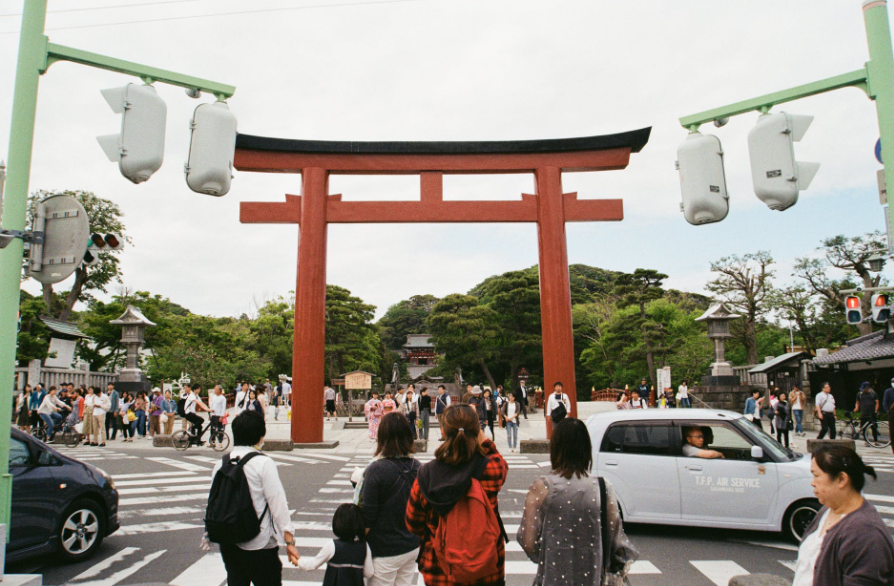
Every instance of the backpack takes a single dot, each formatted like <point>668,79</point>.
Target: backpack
<point>181,407</point>
<point>559,413</point>
<point>468,556</point>
<point>230,516</point>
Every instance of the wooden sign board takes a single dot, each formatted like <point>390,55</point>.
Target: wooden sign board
<point>358,381</point>
<point>337,382</point>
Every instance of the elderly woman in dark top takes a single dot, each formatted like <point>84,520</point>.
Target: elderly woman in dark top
<point>386,488</point>
<point>575,552</point>
<point>847,543</point>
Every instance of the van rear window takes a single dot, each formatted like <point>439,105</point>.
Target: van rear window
<point>625,438</point>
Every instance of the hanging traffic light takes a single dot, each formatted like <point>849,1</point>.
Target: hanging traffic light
<point>702,179</point>
<point>101,243</point>
<point>852,310</point>
<point>880,309</point>
<point>776,175</point>
<point>139,147</point>
<point>212,147</point>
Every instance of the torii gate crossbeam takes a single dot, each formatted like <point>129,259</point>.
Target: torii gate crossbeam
<point>315,209</point>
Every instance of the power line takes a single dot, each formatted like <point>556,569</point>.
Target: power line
<point>107,7</point>
<point>308,7</point>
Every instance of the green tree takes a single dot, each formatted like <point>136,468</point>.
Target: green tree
<point>745,283</point>
<point>405,317</point>
<point>352,341</point>
<point>34,337</point>
<point>638,290</point>
<point>105,218</point>
<point>273,333</point>
<point>466,331</point>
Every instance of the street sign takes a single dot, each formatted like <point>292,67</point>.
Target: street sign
<point>66,229</point>
<point>878,151</point>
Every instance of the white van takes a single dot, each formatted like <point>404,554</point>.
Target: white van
<point>759,484</point>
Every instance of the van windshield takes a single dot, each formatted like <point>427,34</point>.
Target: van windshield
<point>764,440</point>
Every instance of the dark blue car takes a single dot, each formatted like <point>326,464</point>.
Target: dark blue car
<point>58,504</point>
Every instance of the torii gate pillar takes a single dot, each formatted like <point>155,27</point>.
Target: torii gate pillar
<point>315,209</point>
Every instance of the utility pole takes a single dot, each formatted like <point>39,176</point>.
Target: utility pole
<point>35,56</point>
<point>876,78</point>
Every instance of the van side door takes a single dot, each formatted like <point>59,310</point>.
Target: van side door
<point>637,457</point>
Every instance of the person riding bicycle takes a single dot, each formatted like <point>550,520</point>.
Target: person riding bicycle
<point>193,402</point>
<point>49,412</point>
<point>867,404</point>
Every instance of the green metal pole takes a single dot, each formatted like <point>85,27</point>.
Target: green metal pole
<point>880,74</point>
<point>32,56</point>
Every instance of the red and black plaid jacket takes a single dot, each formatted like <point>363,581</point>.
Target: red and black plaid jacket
<point>422,520</point>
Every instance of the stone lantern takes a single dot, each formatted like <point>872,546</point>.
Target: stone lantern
<point>718,317</point>
<point>133,323</point>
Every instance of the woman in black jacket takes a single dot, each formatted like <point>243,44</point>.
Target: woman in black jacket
<point>490,410</point>
<point>783,419</point>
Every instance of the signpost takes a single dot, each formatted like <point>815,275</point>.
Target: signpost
<point>357,380</point>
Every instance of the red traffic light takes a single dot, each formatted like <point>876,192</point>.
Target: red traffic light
<point>852,302</point>
<point>880,300</point>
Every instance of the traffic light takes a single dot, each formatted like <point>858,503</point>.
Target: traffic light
<point>702,179</point>
<point>776,175</point>
<point>139,148</point>
<point>852,310</point>
<point>880,310</point>
<point>212,146</point>
<point>101,243</point>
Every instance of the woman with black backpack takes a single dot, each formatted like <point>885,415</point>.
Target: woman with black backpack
<point>588,548</point>
<point>384,494</point>
<point>453,506</point>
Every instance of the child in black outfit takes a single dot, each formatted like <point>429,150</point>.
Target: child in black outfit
<point>348,558</point>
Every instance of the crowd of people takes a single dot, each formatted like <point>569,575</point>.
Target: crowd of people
<point>442,518</point>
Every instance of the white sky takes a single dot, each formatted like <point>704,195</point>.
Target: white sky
<point>454,70</point>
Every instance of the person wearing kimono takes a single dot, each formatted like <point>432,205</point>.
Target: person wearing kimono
<point>373,410</point>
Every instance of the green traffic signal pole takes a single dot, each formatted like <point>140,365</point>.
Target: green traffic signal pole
<point>36,54</point>
<point>876,79</point>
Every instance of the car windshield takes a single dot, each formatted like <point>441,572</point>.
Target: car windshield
<point>764,440</point>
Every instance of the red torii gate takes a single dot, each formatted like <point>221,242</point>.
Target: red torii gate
<point>315,209</point>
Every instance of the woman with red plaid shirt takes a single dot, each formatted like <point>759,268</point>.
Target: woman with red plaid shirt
<point>465,454</point>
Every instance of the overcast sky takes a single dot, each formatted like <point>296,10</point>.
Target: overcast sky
<point>453,70</point>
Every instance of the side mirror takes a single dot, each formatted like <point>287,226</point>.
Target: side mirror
<point>757,453</point>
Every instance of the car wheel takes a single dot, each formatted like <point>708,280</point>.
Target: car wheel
<point>81,531</point>
<point>798,518</point>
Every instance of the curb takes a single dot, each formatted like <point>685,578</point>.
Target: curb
<point>330,445</point>
<point>814,444</point>
<point>533,446</point>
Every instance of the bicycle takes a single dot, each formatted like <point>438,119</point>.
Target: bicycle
<point>218,440</point>
<point>854,430</point>
<point>70,435</point>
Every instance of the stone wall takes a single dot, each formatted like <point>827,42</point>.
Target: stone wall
<point>731,398</point>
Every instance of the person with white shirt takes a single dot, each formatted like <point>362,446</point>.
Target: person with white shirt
<point>330,397</point>
<point>824,409</point>
<point>637,402</point>
<point>257,561</point>
<point>556,399</point>
<point>218,405</point>
<point>286,392</point>
<point>49,412</point>
<point>348,558</point>
<point>683,395</point>
<point>101,404</point>
<point>511,411</point>
<point>241,403</point>
<point>193,403</point>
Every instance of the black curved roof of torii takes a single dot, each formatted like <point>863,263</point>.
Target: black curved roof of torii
<point>635,139</point>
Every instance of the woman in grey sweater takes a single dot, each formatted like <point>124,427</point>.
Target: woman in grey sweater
<point>574,552</point>
<point>847,543</point>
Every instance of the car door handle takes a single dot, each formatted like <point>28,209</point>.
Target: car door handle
<point>693,468</point>
<point>611,462</point>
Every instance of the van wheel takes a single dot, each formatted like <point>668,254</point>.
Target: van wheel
<point>798,518</point>
<point>81,531</point>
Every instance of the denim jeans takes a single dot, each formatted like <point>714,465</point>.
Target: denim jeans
<point>141,423</point>
<point>512,433</point>
<point>799,416</point>
<point>685,403</point>
<point>51,421</point>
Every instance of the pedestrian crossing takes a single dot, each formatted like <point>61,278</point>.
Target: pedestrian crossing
<point>92,454</point>
<point>881,461</point>
<point>172,498</point>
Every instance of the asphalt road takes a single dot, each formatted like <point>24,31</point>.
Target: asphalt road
<point>163,493</point>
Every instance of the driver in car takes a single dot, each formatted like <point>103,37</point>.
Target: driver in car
<point>695,444</point>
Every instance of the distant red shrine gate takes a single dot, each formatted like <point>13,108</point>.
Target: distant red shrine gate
<point>315,209</point>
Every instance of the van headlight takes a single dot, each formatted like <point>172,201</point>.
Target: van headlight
<point>107,476</point>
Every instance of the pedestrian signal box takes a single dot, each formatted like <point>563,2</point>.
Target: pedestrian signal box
<point>853,312</point>
<point>880,309</point>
